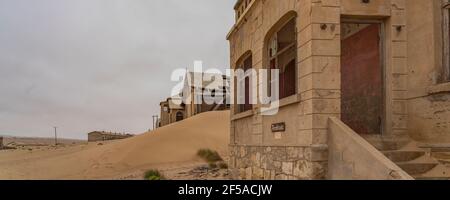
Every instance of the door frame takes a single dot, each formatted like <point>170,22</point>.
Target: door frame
<point>383,63</point>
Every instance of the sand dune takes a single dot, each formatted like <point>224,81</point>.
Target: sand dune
<point>168,147</point>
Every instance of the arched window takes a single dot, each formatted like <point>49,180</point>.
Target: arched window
<point>245,63</point>
<point>281,47</point>
<point>179,116</point>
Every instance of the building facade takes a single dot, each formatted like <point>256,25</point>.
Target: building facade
<point>171,112</point>
<point>378,67</point>
<point>97,136</point>
<point>197,89</point>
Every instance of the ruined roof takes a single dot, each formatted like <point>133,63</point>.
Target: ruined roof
<point>108,133</point>
<point>173,105</point>
<point>195,79</point>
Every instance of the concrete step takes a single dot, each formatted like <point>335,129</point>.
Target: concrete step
<point>425,178</point>
<point>416,168</point>
<point>389,145</point>
<point>403,156</point>
<point>440,172</point>
<point>441,155</point>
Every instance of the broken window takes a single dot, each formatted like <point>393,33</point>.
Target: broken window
<point>282,52</point>
<point>446,39</point>
<point>246,63</point>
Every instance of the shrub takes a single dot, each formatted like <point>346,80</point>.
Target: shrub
<point>209,156</point>
<point>153,175</point>
<point>223,165</point>
<point>212,165</point>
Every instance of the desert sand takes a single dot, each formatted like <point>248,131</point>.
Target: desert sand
<point>171,149</point>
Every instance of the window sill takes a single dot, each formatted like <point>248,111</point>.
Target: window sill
<point>428,91</point>
<point>439,88</point>
<point>242,115</point>
<point>286,102</point>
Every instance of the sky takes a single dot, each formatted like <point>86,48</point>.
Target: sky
<point>85,65</point>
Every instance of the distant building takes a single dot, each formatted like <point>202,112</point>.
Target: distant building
<point>196,91</point>
<point>105,136</point>
<point>171,112</point>
<point>1,142</point>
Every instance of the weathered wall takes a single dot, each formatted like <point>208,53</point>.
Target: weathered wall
<point>429,97</point>
<point>277,162</point>
<point>353,158</point>
<point>318,81</point>
<point>303,114</point>
<point>164,117</point>
<point>104,136</point>
<point>430,115</point>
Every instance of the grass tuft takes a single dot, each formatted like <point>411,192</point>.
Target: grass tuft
<point>153,175</point>
<point>209,156</point>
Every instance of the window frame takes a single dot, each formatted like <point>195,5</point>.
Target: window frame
<point>445,7</point>
<point>240,108</point>
<point>279,52</point>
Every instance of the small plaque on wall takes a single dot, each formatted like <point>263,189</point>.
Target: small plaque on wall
<point>278,127</point>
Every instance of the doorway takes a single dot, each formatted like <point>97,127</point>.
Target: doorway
<point>179,116</point>
<point>362,79</point>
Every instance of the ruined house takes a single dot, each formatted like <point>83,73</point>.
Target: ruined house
<point>97,136</point>
<point>195,86</point>
<point>197,89</point>
<point>364,89</point>
<point>171,112</point>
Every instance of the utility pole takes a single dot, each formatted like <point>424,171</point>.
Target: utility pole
<point>56,136</point>
<point>155,120</point>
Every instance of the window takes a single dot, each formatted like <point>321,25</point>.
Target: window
<point>446,39</point>
<point>245,63</point>
<point>282,53</point>
<point>179,116</point>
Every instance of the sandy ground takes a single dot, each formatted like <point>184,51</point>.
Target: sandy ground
<point>171,149</point>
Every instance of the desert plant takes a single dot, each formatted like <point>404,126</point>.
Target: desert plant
<point>212,165</point>
<point>209,156</point>
<point>223,165</point>
<point>153,175</point>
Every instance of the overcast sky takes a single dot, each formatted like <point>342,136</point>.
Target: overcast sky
<point>85,65</point>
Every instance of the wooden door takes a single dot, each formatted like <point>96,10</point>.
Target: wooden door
<point>362,79</point>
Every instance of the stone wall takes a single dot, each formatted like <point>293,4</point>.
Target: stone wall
<point>353,158</point>
<point>276,163</point>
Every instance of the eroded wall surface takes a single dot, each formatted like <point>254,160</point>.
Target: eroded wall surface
<point>429,92</point>
<point>304,142</point>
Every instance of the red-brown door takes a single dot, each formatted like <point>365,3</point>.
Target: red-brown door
<point>361,76</point>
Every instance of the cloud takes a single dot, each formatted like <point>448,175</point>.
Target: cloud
<point>86,65</point>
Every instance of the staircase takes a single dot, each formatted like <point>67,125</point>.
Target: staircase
<point>414,160</point>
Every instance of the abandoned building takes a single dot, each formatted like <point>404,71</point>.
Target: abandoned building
<point>97,136</point>
<point>364,89</point>
<point>171,112</point>
<point>194,88</point>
